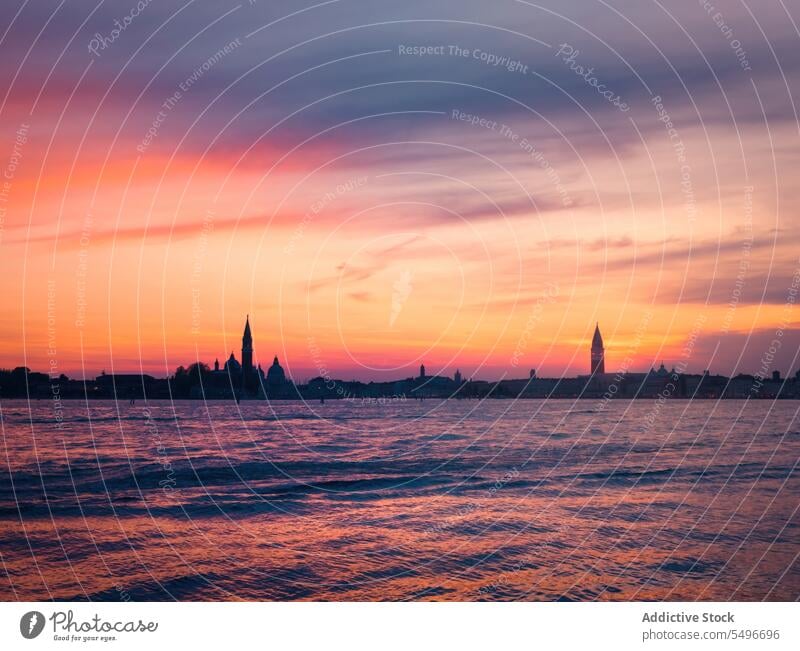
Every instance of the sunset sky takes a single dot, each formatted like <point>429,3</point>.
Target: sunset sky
<point>372,206</point>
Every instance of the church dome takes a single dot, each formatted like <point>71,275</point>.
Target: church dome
<point>232,366</point>
<point>275,374</point>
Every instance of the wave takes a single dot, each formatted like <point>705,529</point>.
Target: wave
<point>95,419</point>
<point>739,471</point>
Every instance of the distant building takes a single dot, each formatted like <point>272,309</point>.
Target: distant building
<point>598,353</point>
<point>422,371</point>
<point>247,350</point>
<point>275,374</point>
<point>457,377</point>
<point>250,381</point>
<point>235,379</point>
<point>232,366</point>
<point>661,372</point>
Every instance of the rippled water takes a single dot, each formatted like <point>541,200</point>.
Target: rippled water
<point>460,500</point>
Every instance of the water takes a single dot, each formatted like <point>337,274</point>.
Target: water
<point>461,500</point>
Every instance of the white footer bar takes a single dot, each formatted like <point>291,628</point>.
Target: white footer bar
<point>401,626</point>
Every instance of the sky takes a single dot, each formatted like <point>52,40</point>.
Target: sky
<point>468,185</point>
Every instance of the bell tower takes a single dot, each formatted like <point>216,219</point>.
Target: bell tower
<point>247,350</point>
<point>598,353</point>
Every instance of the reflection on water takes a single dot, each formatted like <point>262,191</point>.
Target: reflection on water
<point>461,500</point>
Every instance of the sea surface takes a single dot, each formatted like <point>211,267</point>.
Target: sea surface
<point>411,500</point>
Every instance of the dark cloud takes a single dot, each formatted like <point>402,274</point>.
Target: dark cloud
<point>315,61</point>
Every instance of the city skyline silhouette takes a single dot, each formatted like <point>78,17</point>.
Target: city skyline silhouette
<point>246,379</point>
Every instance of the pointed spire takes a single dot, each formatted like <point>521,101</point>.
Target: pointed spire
<point>247,334</point>
<point>597,339</point>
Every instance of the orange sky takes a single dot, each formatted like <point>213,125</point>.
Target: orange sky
<point>389,241</point>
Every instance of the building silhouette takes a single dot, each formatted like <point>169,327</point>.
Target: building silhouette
<point>235,380</point>
<point>598,365</point>
<point>245,379</point>
<point>232,366</point>
<point>247,350</point>
<point>275,375</point>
